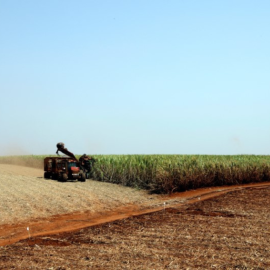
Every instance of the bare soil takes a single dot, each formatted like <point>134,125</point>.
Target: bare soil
<point>220,228</point>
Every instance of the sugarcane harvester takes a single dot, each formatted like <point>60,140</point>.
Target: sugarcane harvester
<point>68,168</point>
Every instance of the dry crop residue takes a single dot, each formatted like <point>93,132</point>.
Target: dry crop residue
<point>25,195</point>
<point>226,232</point>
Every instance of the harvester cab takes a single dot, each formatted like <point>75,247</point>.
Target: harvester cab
<point>87,164</point>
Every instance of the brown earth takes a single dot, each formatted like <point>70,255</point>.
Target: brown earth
<point>221,228</point>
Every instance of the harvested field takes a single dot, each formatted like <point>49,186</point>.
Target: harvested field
<point>25,195</point>
<point>192,230</point>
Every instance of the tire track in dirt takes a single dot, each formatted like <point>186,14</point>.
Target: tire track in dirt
<point>70,222</point>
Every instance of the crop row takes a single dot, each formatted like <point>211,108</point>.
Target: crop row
<point>170,173</point>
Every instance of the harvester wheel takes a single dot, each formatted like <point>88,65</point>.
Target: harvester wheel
<point>82,179</point>
<point>64,177</point>
<point>47,175</point>
<point>59,177</point>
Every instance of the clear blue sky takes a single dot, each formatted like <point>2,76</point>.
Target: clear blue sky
<point>135,77</point>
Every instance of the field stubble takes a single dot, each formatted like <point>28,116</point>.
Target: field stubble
<point>227,232</point>
<point>26,194</point>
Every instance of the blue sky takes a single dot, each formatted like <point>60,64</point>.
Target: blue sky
<point>135,77</point>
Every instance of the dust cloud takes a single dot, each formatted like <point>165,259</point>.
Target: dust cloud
<point>11,153</point>
<point>13,149</point>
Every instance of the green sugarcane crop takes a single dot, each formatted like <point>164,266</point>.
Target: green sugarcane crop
<point>170,173</point>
